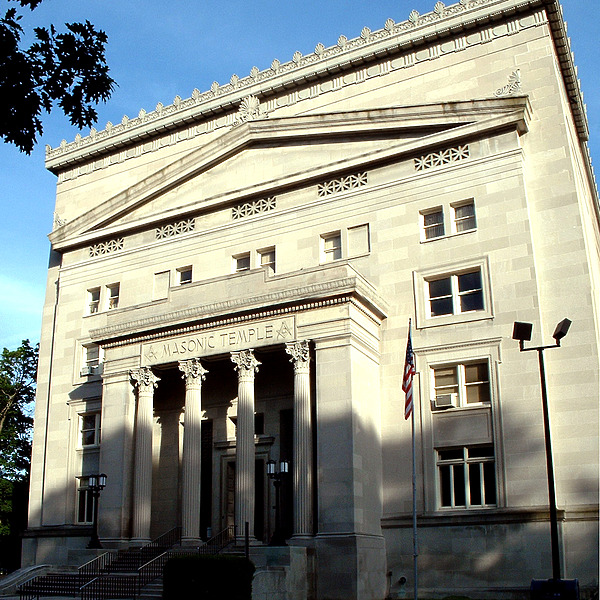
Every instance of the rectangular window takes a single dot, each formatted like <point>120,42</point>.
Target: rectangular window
<point>160,289</point>
<point>331,246</point>
<point>460,385</point>
<point>184,275</point>
<point>93,300</point>
<point>433,223</point>
<point>267,260</point>
<point>89,428</point>
<point>241,262</point>
<point>113,295</point>
<point>359,240</point>
<point>466,477</point>
<point>464,216</point>
<point>455,294</point>
<point>90,360</point>
<point>85,501</point>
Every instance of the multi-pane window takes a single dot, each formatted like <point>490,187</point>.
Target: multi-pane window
<point>93,300</point>
<point>455,294</point>
<point>89,430</point>
<point>332,246</point>
<point>464,216</point>
<point>267,260</point>
<point>184,275</point>
<point>85,501</point>
<point>241,262</point>
<point>461,384</point>
<point>113,295</point>
<point>433,223</point>
<point>91,359</point>
<point>466,477</point>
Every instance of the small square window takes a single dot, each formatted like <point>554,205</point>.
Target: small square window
<point>184,275</point>
<point>93,300</point>
<point>433,223</point>
<point>113,295</point>
<point>455,294</point>
<point>241,262</point>
<point>461,384</point>
<point>267,260</point>
<point>332,246</point>
<point>464,216</point>
<point>89,429</point>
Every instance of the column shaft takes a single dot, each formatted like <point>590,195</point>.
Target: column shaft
<point>246,366</point>
<point>302,456</point>
<point>144,381</point>
<point>194,374</point>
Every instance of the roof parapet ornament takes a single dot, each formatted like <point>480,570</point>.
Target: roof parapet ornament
<point>248,111</point>
<point>512,87</point>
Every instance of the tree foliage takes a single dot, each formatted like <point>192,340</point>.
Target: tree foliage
<point>18,370</point>
<point>68,69</point>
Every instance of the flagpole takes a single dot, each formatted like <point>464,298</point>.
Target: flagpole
<point>414,515</point>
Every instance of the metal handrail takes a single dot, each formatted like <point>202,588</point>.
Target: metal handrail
<point>218,542</point>
<point>110,586</point>
<point>95,566</point>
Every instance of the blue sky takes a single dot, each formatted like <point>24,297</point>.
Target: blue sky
<point>158,50</point>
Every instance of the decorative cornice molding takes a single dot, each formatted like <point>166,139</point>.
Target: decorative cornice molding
<point>227,105</point>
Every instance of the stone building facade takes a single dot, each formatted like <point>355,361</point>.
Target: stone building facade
<point>231,280</point>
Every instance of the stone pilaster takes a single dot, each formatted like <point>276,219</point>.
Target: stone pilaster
<point>144,381</point>
<point>246,366</point>
<point>194,375</point>
<point>302,458</point>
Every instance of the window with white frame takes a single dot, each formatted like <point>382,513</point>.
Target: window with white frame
<point>466,477</point>
<point>331,246</point>
<point>266,258</point>
<point>93,296</point>
<point>455,294</point>
<point>241,262</point>
<point>184,275</point>
<point>113,295</point>
<point>432,223</point>
<point>464,216</point>
<point>461,384</point>
<point>85,501</point>
<point>89,430</point>
<point>90,359</point>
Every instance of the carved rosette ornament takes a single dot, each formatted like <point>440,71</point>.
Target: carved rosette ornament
<point>300,353</point>
<point>193,371</point>
<point>245,363</point>
<point>143,379</point>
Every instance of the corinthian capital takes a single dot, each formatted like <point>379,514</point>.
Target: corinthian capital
<point>193,371</point>
<point>299,351</point>
<point>143,379</point>
<point>245,362</point>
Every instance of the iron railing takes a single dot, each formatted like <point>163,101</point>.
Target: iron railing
<point>94,567</point>
<point>111,586</point>
<point>218,542</point>
<point>51,585</point>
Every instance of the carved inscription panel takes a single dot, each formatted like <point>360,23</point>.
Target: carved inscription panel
<point>220,341</point>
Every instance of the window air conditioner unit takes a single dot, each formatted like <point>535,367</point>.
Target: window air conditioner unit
<point>446,401</point>
<point>85,371</point>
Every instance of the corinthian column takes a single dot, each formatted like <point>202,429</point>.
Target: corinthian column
<point>245,365</point>
<point>144,381</point>
<point>302,465</point>
<point>194,375</point>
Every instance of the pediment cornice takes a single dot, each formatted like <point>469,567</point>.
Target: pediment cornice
<point>223,105</point>
<point>439,125</point>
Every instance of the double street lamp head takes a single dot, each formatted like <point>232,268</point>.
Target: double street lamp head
<point>522,332</point>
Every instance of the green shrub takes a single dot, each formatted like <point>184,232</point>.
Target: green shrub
<point>208,578</point>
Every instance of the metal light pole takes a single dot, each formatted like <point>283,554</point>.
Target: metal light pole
<point>96,483</point>
<point>522,332</point>
<point>277,538</point>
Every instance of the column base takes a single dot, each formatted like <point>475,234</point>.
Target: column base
<point>190,542</point>
<point>136,542</point>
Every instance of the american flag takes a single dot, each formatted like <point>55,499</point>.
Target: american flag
<point>407,380</point>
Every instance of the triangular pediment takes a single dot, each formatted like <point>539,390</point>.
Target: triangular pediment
<point>261,157</point>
